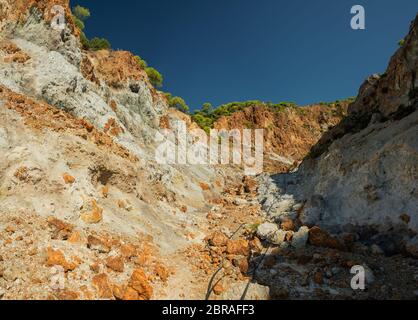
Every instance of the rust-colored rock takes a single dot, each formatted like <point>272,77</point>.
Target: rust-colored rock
<point>97,244</point>
<point>218,239</point>
<point>103,287</point>
<point>238,247</point>
<point>139,282</point>
<point>115,263</point>
<point>57,258</point>
<point>94,216</point>
<point>68,179</point>
<point>321,238</point>
<point>128,251</point>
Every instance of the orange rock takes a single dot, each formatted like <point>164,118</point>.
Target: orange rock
<point>57,258</point>
<point>141,260</point>
<point>128,251</point>
<point>97,244</point>
<point>288,225</point>
<point>75,238</point>
<point>139,282</point>
<point>61,229</point>
<point>218,239</point>
<point>130,294</point>
<point>204,186</point>
<point>320,238</point>
<point>115,263</point>
<point>118,292</point>
<point>68,178</point>
<point>218,289</point>
<point>101,283</point>
<point>94,216</point>
<point>238,247</point>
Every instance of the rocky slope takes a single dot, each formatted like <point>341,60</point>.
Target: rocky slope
<point>79,187</point>
<point>362,175</point>
<point>87,213</point>
<point>289,132</point>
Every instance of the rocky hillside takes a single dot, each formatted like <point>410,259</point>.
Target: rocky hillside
<point>79,187</point>
<point>289,131</point>
<point>362,175</point>
<point>87,213</point>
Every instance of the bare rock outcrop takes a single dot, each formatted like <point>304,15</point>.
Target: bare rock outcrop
<point>362,176</point>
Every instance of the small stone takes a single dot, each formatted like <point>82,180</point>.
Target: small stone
<point>266,230</point>
<point>128,251</point>
<point>97,244</point>
<point>57,258</point>
<point>218,289</point>
<point>68,179</point>
<point>94,216</point>
<point>218,239</point>
<point>300,238</point>
<point>115,263</point>
<point>321,238</point>
<point>238,247</point>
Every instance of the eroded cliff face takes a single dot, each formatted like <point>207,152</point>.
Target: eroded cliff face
<point>79,185</point>
<point>362,176</point>
<point>289,132</point>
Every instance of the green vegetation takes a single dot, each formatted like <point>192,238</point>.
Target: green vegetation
<point>99,44</point>
<point>401,43</point>
<point>142,63</point>
<point>177,103</point>
<point>207,115</point>
<point>154,76</point>
<point>80,15</point>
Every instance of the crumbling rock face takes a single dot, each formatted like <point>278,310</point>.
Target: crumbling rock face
<point>363,175</point>
<point>289,134</point>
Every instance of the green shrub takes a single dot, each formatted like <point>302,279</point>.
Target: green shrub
<point>142,63</point>
<point>79,24</point>
<point>401,43</point>
<point>81,13</point>
<point>155,77</point>
<point>99,44</point>
<point>177,103</point>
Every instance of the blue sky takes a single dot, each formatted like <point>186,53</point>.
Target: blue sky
<point>220,51</point>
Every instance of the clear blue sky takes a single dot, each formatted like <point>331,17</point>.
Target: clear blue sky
<point>220,51</point>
